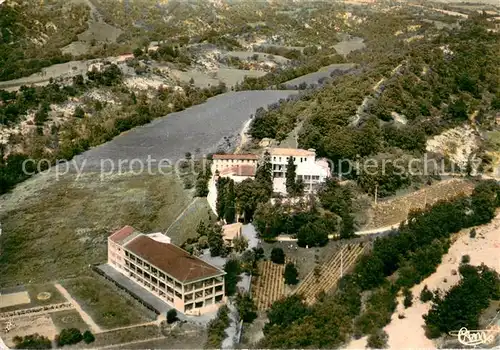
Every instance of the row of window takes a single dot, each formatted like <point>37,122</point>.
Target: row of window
<point>200,304</point>
<point>301,159</point>
<point>308,177</point>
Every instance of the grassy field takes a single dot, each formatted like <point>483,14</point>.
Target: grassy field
<point>125,336</point>
<point>68,319</point>
<point>186,226</point>
<point>33,291</point>
<point>108,306</point>
<point>55,229</point>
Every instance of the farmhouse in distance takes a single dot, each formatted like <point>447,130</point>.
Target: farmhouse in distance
<point>311,171</point>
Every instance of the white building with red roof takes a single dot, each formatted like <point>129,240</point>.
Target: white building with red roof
<point>183,281</point>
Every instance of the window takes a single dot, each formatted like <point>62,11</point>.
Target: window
<point>178,295</point>
<point>198,304</point>
<point>209,301</point>
<point>189,307</point>
<point>218,289</point>
<point>188,297</point>
<point>218,298</point>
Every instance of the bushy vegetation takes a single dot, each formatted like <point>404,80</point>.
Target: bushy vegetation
<point>246,307</point>
<point>27,47</point>
<point>33,341</point>
<point>232,269</point>
<point>464,302</point>
<point>69,336</point>
<point>216,328</point>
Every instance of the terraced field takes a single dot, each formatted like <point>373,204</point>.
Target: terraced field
<point>205,127</point>
<point>329,273</point>
<point>269,285</point>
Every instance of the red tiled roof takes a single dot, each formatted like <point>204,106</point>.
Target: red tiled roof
<point>239,170</point>
<point>122,234</point>
<point>171,259</point>
<point>236,156</point>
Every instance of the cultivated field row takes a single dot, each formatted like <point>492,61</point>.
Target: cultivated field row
<point>269,285</point>
<point>329,273</point>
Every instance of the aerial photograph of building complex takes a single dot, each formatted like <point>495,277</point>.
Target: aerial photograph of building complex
<point>240,174</point>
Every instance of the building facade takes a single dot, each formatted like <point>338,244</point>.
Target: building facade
<point>184,282</point>
<point>311,171</point>
<point>225,161</point>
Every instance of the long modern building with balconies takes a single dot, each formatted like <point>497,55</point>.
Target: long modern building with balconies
<point>183,281</point>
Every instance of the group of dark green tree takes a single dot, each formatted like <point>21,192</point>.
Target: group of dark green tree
<point>407,257</point>
<point>68,336</point>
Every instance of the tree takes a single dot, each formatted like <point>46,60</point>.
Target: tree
<point>312,234</point>
<point>33,341</point>
<point>277,256</point>
<point>264,178</point>
<point>473,293</point>
<point>232,269</point>
<point>465,259</point>
<point>291,274</point>
<point>171,316</point>
<point>69,336</point>
<point>88,337</point>
<point>408,298</point>
<point>472,233</point>
<point>138,52</point>
<point>79,112</point>
<point>286,311</point>
<point>246,307</point>
<point>230,203</point>
<point>216,241</point>
<point>426,295</point>
<point>290,177</point>
<point>240,244</point>
<point>377,340</point>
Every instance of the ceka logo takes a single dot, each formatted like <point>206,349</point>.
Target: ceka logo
<point>476,337</point>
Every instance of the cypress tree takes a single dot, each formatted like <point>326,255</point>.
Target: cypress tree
<point>290,177</point>
<point>230,203</point>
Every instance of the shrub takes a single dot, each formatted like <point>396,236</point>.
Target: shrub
<point>472,233</point>
<point>408,300</point>
<point>246,307</point>
<point>465,259</point>
<point>378,340</point>
<point>426,295</point>
<point>69,336</point>
<point>33,341</point>
<point>171,316</point>
<point>88,337</point>
<point>277,256</point>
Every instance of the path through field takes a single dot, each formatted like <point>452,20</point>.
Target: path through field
<point>181,214</point>
<point>85,316</point>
